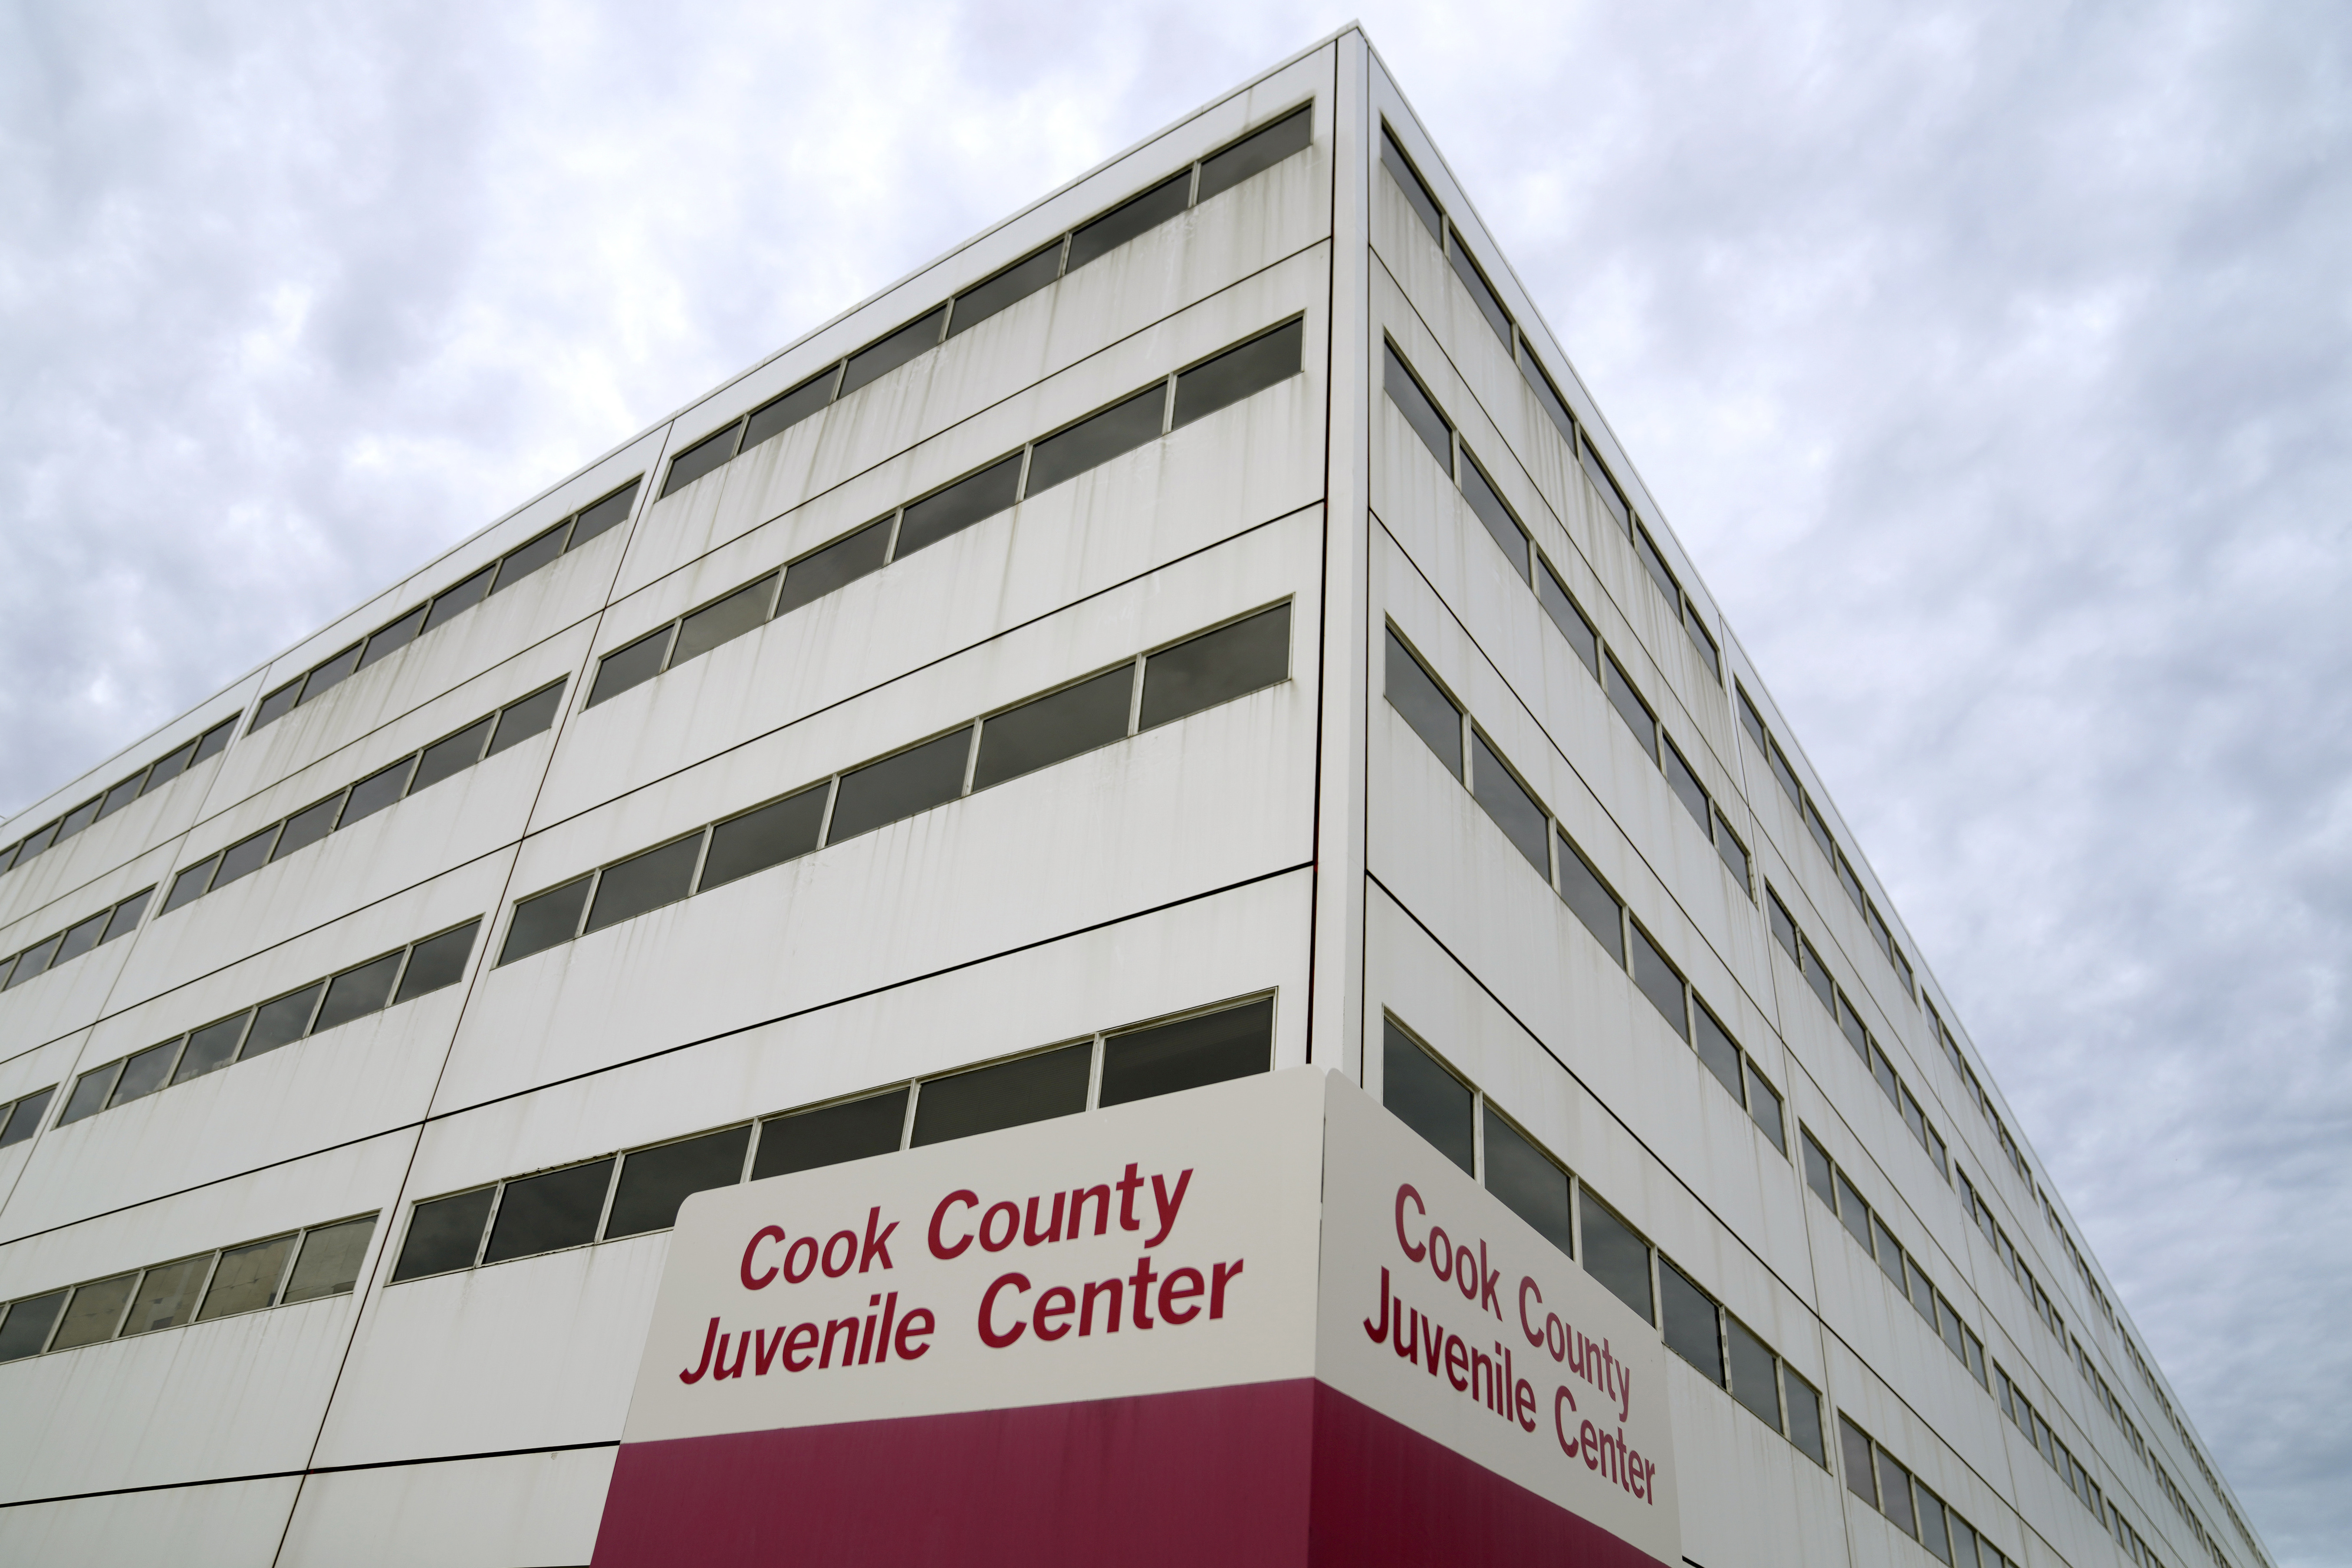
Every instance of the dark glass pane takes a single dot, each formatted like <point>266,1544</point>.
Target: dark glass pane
<point>1785,775</point>
<point>1515,811</point>
<point>898,788</point>
<point>951,510</point>
<point>1686,787</point>
<point>330,674</point>
<point>1054,727</point>
<point>547,920</point>
<point>1632,710</point>
<point>605,514</point>
<point>212,1047</point>
<point>169,768</point>
<point>190,884</point>
<point>1258,151</point>
<point>1604,484</point>
<point>1479,491</point>
<point>356,993</point>
<point>1617,1257</point>
<point>1784,930</point>
<point>1700,640</point>
<point>1752,721</point>
<point>1010,1094</point>
<point>8,856</point>
<point>464,596</point>
<point>1764,1105</point>
<point>780,414</point>
<point>531,556</point>
<point>1717,1050</point>
<point>1015,283</point>
<point>1817,975</point>
<point>1755,1380</point>
<point>1853,1211</point>
<point>282,1022</point>
<point>872,363</point>
<point>1889,1251</point>
<point>1804,1417</point>
<point>167,1296</point>
<point>1894,1494</point>
<point>246,1278</point>
<point>1482,293</point>
<point>442,1234</point>
<point>1850,1024</point>
<point>1138,215</point>
<point>377,791</point>
<point>654,1182</point>
<point>1933,1533</point>
<point>646,882</point>
<point>275,705</point>
<point>1734,853</point>
<point>854,1129</point>
<point>214,741</point>
<point>1237,373</point>
<point>447,758</point>
<point>744,610</point>
<point>1819,829</point>
<point>1419,411</point>
<point>25,1118</point>
<point>81,937</point>
<point>96,1308</point>
<point>122,795</point>
<point>781,831</point>
<point>125,918</point>
<point>1656,564</point>
<point>1188,1053</point>
<point>438,962</point>
<point>519,721</point>
<point>34,960</point>
<point>1659,981</point>
<point>1861,1479</point>
<point>1589,900</point>
<point>1426,1098</point>
<point>80,818</point>
<point>1216,666</point>
<point>1527,1182</point>
<point>1424,205</point>
<point>245,857</point>
<point>541,1213</point>
<point>307,827</point>
<point>393,637</point>
<point>819,572</point>
<point>1690,1322</point>
<point>89,1093</point>
<point>1555,408</point>
<point>712,451</point>
<point>328,1264</point>
<point>145,1073</point>
<point>27,1328</point>
<point>1122,428</point>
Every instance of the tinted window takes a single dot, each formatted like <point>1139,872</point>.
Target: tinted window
<point>1482,293</point>
<point>1426,1098</point>
<point>25,1118</point>
<point>1751,720</point>
<point>1860,1477</point>
<point>1618,1259</point>
<point>391,639</point>
<point>167,1296</point>
<point>1686,787</point>
<point>1818,976</point>
<point>1237,372</point>
<point>1424,205</point>
<point>870,364</point>
<point>1604,485</point>
<point>307,827</point>
<point>1547,395</point>
<point>614,508</point>
<point>445,759</point>
<point>1589,897</point>
<point>521,562</point>
<point>1010,1094</point>
<point>1419,411</point>
<point>438,962</point>
<point>442,1234</point>
<point>1137,215</point>
<point>1216,666</point>
<point>958,507</point>
<point>541,1213</point>
<point>1717,1050</point>
<point>1554,596</point>
<point>26,1327</point>
<point>1188,1053</point>
<point>328,1264</point>
<point>1785,775</point>
<point>1480,492</point>
<point>744,610</point>
<point>854,1129</point>
<point>1754,1382</point>
<point>281,1022</point>
<point>519,721</point>
<point>1656,564</point>
<point>1734,853</point>
<point>246,1278</point>
<point>169,768</point>
<point>769,837</point>
<point>81,937</point>
<point>1804,1416</point>
<point>275,705</point>
<point>1260,150</point>
<point>630,666</point>
<point>1632,710</point>
<point>1122,428</point>
<point>80,818</point>
<point>1015,283</point>
<point>1524,1177</point>
<point>1061,724</point>
<point>1515,811</point>
<point>544,921</point>
<point>1894,1493</point>
<point>90,1092</point>
<point>454,601</point>
<point>1659,981</point>
<point>245,857</point>
<point>779,415</point>
<point>214,741</point>
<point>1413,694</point>
<point>1701,640</point>
<point>145,1073</point>
<point>646,882</point>
<point>1853,1211</point>
<point>1889,1251</point>
<point>1819,829</point>
<point>122,795</point>
<point>33,961</point>
<point>125,918</point>
<point>844,561</point>
<point>1932,1533</point>
<point>356,993</point>
<point>1764,1105</point>
<point>377,791</point>
<point>699,459</point>
<point>212,1047</point>
<point>899,787</point>
<point>654,1182</point>
<point>1690,1323</point>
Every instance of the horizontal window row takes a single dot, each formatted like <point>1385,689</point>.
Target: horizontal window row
<point>596,518</point>
<point>2008,1148</point>
<point>639,1190</point>
<point>90,931</point>
<point>2011,1259</point>
<point>387,980</point>
<point>1447,729</point>
<point>1786,776</point>
<point>1445,444</point>
<point>420,770</point>
<point>2029,1421</point>
<point>1426,205</point>
<point>275,1271</point>
<point>1135,420</point>
<point>98,807</point>
<point>2107,1402</point>
<point>1460,1122</point>
<point>1836,1189</point>
<point>1138,215</point>
<point>1139,694</point>
<point>1876,1477</point>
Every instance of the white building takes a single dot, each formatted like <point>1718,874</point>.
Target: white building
<point>1208,599</point>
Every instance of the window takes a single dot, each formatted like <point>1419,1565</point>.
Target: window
<point>167,1296</point>
<point>1528,1181</point>
<point>781,412</point>
<point>1409,181</point>
<point>1659,980</point>
<point>1415,695</point>
<point>328,1262</point>
<point>1216,666</point>
<point>1055,727</point>
<point>1137,215</point>
<point>1426,1098</point>
<point>1686,785</point>
<point>722,621</point>
<point>281,1022</point>
<point>1238,372</point>
<point>1755,1380</point>
<point>438,962</point>
<point>877,360</point>
<point>1482,293</point>
<point>549,1212</point>
<point>1006,288</point>
<point>444,1234</point>
<point>1717,1050</point>
<point>387,640</point>
<point>1163,1058</point>
<point>1861,1474</point>
<point>1604,486</point>
<point>245,857</point>
<point>1894,1494</point>
<point>1817,1172</point>
<point>1854,1211</point>
<point>373,793</point>
<point>1734,853</point>
<point>1496,513</point>
<point>121,795</point>
<point>655,1182</point>
<point>276,704</point>
<point>712,451</point>
<point>79,938</point>
<point>447,758</point>
<point>1702,641</point>
<point>519,721</point>
<point>844,561</point>
<point>1805,1416</point>
<point>899,786</point>
<point>1553,594</point>
<point>356,993</point>
<point>1764,1106</point>
<point>90,1092</point>
<point>1888,1251</point>
<point>829,1135</point>
<point>646,882</point>
<point>1260,150</point>
<point>246,1278</point>
<point>1404,390</point>
<point>1631,708</point>
<point>1589,900</point>
<point>767,836</point>
<point>307,827</point>
<point>528,558</point>
<point>452,602</point>
<point>1691,1330</point>
<point>545,920</point>
<point>1661,577</point>
<point>634,665</point>
<point>1616,1256</point>
<point>1504,799</point>
<point>23,1118</point>
<point>1784,930</point>
<point>1035,1087</point>
<point>949,511</point>
<point>145,1072</point>
<point>1097,438</point>
<point>1786,775</point>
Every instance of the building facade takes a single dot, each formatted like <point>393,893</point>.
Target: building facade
<point>1200,626</point>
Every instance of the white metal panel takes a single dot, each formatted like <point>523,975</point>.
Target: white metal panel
<point>475,1513</point>
<point>232,1524</point>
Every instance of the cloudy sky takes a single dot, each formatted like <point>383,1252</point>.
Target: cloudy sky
<point>1994,362</point>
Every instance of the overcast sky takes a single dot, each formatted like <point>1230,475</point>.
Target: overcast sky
<point>1994,363</point>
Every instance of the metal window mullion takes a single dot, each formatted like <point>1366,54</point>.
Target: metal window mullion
<point>907,1127</point>
<point>490,1221</point>
<point>670,646</point>
<point>832,799</point>
<point>129,1302</point>
<point>1062,261</point>
<point>1478,1136</point>
<point>580,922</point>
<point>1192,189</point>
<point>286,1270</point>
<point>313,1017</point>
<point>890,546</point>
<point>204,1288</point>
<point>1101,1048</point>
<point>391,996</point>
<point>611,1191</point>
<point>971,758</point>
<point>1168,406</point>
<point>1135,699</point>
<point>1021,481</point>
<point>701,855</point>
